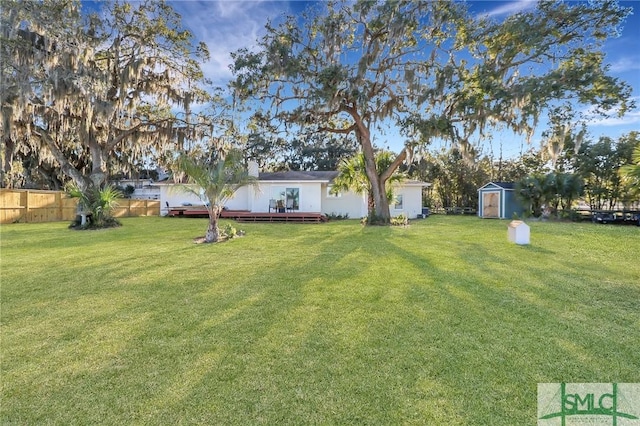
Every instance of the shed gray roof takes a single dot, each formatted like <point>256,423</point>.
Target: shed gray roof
<point>503,185</point>
<point>506,185</point>
<point>298,176</point>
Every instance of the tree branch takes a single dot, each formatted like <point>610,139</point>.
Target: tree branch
<point>384,176</point>
<point>62,160</point>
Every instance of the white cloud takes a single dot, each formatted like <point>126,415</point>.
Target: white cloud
<point>626,64</point>
<point>630,118</point>
<point>226,26</point>
<point>509,8</point>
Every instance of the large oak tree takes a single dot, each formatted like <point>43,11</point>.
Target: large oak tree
<point>91,90</point>
<point>431,68</point>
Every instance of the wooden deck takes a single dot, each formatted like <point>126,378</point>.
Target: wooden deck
<point>247,216</point>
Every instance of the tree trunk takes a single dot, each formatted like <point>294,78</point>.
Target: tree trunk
<point>213,233</point>
<point>380,206</point>
<point>98,176</point>
<point>537,208</point>
<point>382,212</point>
<point>378,181</point>
<point>7,165</point>
<point>370,203</point>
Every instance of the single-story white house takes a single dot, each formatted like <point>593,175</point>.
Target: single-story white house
<point>298,191</point>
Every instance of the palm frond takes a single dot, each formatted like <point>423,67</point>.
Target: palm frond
<point>215,180</point>
<point>631,172</point>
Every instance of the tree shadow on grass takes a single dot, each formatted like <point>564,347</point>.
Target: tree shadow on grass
<point>418,335</point>
<point>504,335</point>
<point>201,338</point>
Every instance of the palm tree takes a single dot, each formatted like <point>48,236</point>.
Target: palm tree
<point>95,206</point>
<point>216,179</point>
<point>353,177</point>
<point>560,189</point>
<point>631,172</point>
<point>570,186</point>
<point>551,190</point>
<point>630,178</point>
<point>531,190</point>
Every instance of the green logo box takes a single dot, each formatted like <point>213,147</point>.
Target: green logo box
<point>593,404</point>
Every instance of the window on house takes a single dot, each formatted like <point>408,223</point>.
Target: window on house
<point>398,205</point>
<point>278,193</point>
<point>293,198</point>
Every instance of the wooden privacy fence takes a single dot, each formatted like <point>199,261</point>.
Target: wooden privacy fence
<point>32,206</point>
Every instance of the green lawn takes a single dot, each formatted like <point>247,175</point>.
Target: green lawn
<point>444,322</point>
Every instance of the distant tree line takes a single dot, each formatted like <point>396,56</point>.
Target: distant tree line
<point>588,170</point>
<point>88,96</point>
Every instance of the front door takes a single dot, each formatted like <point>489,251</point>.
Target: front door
<point>491,204</point>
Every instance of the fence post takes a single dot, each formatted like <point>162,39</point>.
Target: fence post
<point>54,208</point>
<point>26,207</point>
<point>59,204</point>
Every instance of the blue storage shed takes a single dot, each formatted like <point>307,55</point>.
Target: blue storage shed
<point>498,200</point>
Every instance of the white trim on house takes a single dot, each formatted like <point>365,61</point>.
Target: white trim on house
<point>309,189</point>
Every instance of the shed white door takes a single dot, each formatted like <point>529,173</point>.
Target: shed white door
<point>491,204</point>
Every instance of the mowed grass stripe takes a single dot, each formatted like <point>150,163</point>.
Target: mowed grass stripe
<point>442,322</point>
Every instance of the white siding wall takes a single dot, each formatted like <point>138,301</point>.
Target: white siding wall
<point>146,194</point>
<point>411,201</point>
<point>309,195</point>
<point>240,200</point>
<point>414,201</point>
<point>175,195</point>
<point>143,189</point>
<point>348,203</point>
<point>136,183</point>
<point>313,199</point>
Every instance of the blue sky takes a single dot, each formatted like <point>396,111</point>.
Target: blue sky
<point>228,25</point>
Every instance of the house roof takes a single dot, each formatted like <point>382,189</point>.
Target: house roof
<point>323,176</point>
<point>298,176</point>
<point>304,176</point>
<point>411,182</point>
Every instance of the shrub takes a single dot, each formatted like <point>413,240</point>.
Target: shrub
<point>373,219</point>
<point>400,220</point>
<point>97,204</point>
<point>229,231</point>
<point>337,216</point>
